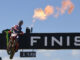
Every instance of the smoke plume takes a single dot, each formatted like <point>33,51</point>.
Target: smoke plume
<point>40,14</point>
<point>67,5</point>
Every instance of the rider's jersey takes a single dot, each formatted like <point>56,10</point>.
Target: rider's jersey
<point>16,29</point>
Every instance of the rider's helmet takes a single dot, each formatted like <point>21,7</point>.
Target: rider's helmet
<point>20,22</point>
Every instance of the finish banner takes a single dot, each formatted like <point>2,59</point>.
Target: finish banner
<point>43,40</point>
<point>51,41</point>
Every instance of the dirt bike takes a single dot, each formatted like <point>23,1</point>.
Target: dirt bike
<point>11,47</point>
<point>11,42</point>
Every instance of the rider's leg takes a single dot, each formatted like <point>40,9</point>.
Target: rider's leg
<point>16,47</point>
<point>10,41</point>
<point>17,44</point>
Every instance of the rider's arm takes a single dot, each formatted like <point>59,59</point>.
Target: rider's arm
<point>10,31</point>
<point>16,27</point>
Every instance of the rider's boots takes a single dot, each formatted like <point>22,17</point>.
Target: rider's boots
<point>17,45</point>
